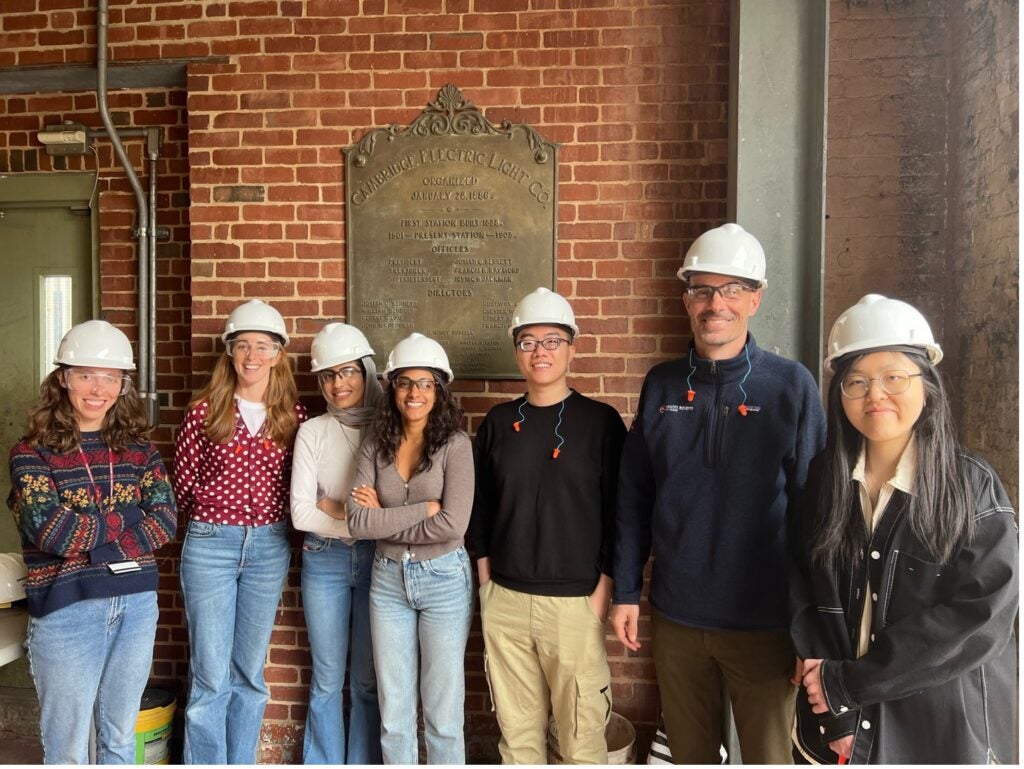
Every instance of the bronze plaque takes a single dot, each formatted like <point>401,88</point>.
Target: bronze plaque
<point>451,221</point>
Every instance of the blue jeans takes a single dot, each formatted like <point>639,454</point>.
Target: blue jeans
<point>419,615</point>
<point>231,582</point>
<point>90,662</point>
<point>335,590</point>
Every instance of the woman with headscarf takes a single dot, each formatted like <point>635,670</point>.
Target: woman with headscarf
<point>336,566</point>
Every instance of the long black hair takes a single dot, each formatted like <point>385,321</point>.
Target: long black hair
<point>443,421</point>
<point>937,511</point>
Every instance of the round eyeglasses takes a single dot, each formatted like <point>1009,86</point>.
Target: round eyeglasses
<point>893,382</point>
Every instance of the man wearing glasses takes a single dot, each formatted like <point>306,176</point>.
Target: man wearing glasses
<point>543,521</point>
<point>714,459</point>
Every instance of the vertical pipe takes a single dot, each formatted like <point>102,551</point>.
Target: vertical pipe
<point>142,233</point>
<point>150,289</point>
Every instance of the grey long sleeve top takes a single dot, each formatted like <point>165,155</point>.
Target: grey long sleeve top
<point>402,526</point>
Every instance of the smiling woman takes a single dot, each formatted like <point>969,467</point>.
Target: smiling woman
<point>335,565</point>
<point>232,465</point>
<point>92,502</point>
<point>905,596</point>
<point>413,494</point>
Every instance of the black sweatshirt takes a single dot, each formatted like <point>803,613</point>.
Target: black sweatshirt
<point>547,522</point>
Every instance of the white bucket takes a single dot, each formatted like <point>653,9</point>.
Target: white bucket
<point>619,734</point>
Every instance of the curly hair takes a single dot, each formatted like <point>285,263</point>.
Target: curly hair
<point>280,398</point>
<point>52,422</point>
<point>443,421</point>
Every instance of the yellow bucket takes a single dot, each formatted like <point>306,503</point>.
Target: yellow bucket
<point>153,727</point>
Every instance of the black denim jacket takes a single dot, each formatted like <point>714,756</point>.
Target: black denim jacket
<point>938,683</point>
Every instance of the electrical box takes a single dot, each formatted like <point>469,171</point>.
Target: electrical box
<point>64,139</point>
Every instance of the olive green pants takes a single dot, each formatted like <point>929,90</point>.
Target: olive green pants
<point>541,652</point>
<point>691,665</point>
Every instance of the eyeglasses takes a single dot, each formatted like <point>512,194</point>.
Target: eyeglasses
<point>259,350</point>
<point>729,292</point>
<point>90,380</point>
<point>328,376</point>
<point>548,343</point>
<point>403,383</point>
<point>894,382</point>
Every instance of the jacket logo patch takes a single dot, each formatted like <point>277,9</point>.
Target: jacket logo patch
<point>673,407</point>
<point>753,408</point>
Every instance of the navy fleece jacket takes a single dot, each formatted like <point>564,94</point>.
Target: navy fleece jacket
<point>712,487</point>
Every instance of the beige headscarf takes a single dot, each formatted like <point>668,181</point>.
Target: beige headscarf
<point>360,416</point>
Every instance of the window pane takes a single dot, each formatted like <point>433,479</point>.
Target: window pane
<point>56,318</point>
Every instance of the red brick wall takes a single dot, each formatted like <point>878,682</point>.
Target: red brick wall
<point>21,118</point>
<point>635,90</point>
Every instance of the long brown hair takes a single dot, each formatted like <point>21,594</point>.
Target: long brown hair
<point>280,399</point>
<point>52,422</point>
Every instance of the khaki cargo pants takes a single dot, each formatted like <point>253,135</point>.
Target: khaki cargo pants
<point>543,650</point>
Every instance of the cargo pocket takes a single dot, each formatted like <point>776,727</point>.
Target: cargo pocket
<point>593,704</point>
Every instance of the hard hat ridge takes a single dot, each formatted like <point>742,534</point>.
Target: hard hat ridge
<point>877,322</point>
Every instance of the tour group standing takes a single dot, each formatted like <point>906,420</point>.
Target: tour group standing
<point>841,584</point>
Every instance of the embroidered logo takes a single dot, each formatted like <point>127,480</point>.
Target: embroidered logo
<point>673,408</point>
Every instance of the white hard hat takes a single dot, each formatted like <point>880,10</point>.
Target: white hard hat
<point>876,322</point>
<point>337,343</point>
<point>95,343</point>
<point>12,577</point>
<point>726,250</point>
<point>418,351</point>
<point>255,315</point>
<point>543,307</point>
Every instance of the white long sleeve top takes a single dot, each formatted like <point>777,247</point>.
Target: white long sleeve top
<point>324,465</point>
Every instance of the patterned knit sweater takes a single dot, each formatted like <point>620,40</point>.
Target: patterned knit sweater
<point>69,539</point>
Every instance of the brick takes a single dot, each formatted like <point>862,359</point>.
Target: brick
<point>239,193</point>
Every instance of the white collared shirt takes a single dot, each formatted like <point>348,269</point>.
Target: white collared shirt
<point>902,480</point>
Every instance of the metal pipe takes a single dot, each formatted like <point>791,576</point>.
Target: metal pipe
<point>147,395</point>
<point>152,145</point>
<point>94,133</point>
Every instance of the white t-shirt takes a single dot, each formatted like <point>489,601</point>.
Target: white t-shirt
<point>253,414</point>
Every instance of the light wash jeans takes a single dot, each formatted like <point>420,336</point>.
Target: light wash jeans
<point>90,662</point>
<point>231,582</point>
<point>420,614</point>
<point>336,600</point>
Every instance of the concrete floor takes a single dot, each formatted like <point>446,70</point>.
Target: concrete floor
<point>19,726</point>
<point>18,749</point>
